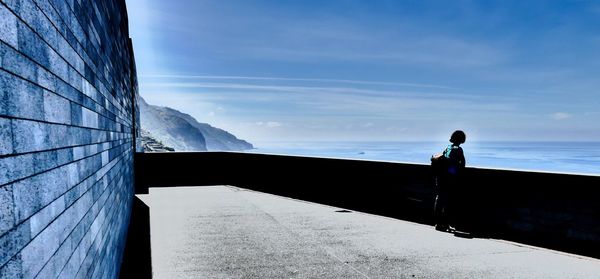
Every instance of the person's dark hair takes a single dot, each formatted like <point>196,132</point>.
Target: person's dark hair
<point>458,137</point>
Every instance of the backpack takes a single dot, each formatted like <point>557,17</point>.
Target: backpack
<point>440,163</point>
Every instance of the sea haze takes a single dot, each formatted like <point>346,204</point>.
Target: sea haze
<point>566,157</point>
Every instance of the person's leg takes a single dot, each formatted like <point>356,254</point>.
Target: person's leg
<point>440,207</point>
<point>454,203</point>
<point>451,202</point>
<point>441,220</point>
<point>461,207</point>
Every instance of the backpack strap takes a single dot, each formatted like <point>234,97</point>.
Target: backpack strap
<point>447,151</point>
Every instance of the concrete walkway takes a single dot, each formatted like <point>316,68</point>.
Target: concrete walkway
<point>227,232</point>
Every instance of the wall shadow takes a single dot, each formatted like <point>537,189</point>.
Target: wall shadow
<point>137,258</point>
<point>556,211</point>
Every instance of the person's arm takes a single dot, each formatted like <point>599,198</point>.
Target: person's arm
<point>461,157</point>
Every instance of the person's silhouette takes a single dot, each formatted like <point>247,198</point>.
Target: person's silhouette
<point>447,179</point>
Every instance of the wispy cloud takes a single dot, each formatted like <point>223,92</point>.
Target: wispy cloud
<point>418,52</point>
<point>299,103</point>
<point>301,69</point>
<point>347,81</point>
<point>561,115</point>
<point>335,98</point>
<point>269,124</point>
<point>281,88</point>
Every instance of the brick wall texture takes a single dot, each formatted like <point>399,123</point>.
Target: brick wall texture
<point>68,95</point>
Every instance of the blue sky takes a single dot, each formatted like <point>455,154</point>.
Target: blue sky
<point>375,70</point>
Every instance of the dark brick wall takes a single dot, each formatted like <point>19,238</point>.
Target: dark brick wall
<point>67,99</point>
<point>557,211</point>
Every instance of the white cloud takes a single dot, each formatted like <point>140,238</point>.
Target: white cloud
<point>269,124</point>
<point>273,124</point>
<point>561,115</point>
<point>396,129</point>
<point>319,80</point>
<point>275,88</point>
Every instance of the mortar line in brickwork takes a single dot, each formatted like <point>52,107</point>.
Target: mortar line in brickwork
<point>58,94</point>
<point>82,180</point>
<point>59,148</point>
<point>58,53</point>
<point>63,124</point>
<point>74,15</point>
<point>92,45</point>
<point>74,201</point>
<point>66,208</point>
<point>129,139</point>
<point>59,78</point>
<point>58,30</point>
<point>52,47</point>
<point>115,219</point>
<point>101,233</point>
<point>33,237</point>
<point>71,205</point>
<point>70,162</point>
<point>70,125</point>
<point>112,205</point>
<point>72,31</point>
<point>86,232</point>
<point>128,202</point>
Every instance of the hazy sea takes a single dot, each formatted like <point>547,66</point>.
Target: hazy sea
<point>565,157</point>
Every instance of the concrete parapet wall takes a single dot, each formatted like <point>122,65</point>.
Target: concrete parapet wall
<point>558,211</point>
<point>67,100</point>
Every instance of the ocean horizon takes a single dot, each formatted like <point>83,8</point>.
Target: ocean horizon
<point>561,157</point>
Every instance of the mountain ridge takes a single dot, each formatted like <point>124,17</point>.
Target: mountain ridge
<point>184,133</point>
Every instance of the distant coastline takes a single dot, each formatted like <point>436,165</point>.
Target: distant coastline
<point>564,157</point>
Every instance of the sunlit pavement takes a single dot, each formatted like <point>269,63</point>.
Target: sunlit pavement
<point>227,232</point>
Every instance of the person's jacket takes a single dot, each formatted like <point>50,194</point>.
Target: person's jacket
<point>456,159</point>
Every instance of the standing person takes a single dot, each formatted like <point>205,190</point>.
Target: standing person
<point>449,166</point>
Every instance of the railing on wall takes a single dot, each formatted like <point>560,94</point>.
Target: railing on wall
<point>558,211</point>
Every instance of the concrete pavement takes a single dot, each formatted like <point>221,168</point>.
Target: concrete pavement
<point>227,232</point>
